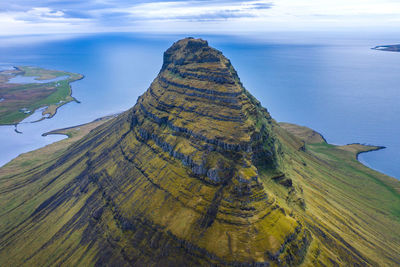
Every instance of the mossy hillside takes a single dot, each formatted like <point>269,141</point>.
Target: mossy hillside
<point>349,207</point>
<point>158,185</point>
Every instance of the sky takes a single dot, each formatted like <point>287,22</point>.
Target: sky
<point>27,17</point>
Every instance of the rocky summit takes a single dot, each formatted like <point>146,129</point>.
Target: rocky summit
<point>196,173</point>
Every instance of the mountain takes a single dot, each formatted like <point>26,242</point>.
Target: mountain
<point>198,173</point>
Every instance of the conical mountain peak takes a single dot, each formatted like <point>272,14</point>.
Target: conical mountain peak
<point>190,50</point>
<point>200,100</point>
<point>197,134</point>
<point>176,179</point>
<point>194,59</point>
<point>200,82</point>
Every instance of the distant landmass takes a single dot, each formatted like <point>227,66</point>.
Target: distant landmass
<point>24,89</point>
<point>392,48</point>
<point>196,173</point>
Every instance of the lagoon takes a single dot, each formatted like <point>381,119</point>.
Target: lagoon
<point>32,79</point>
<point>334,84</point>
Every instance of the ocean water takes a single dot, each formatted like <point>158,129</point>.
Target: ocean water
<point>334,84</point>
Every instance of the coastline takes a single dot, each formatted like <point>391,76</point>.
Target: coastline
<point>372,149</point>
<point>363,149</point>
<point>62,104</point>
<point>69,80</point>
<point>310,136</point>
<point>63,131</point>
<point>48,151</point>
<point>366,148</point>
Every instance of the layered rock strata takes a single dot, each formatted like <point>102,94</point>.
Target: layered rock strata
<point>174,180</point>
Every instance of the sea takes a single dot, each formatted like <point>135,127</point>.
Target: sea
<point>333,83</point>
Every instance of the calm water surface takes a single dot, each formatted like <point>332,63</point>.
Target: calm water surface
<point>338,86</point>
<point>33,79</point>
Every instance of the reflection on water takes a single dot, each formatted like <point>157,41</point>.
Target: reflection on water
<point>339,87</point>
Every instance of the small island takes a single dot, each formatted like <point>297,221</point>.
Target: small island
<point>391,48</point>
<point>25,89</point>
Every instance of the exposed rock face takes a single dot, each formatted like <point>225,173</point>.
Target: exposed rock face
<point>205,130</point>
<point>175,180</point>
<point>200,120</point>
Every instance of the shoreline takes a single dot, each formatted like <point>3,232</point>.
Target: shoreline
<point>59,131</point>
<point>51,115</point>
<point>306,133</point>
<point>64,103</point>
<point>373,148</point>
<point>369,148</point>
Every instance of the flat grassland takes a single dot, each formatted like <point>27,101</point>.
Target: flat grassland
<point>48,88</point>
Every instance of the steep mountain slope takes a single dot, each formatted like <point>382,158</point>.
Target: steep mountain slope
<point>197,172</point>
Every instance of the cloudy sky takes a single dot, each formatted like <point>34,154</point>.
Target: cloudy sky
<point>19,17</point>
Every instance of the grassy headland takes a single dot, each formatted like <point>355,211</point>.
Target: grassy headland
<point>360,206</point>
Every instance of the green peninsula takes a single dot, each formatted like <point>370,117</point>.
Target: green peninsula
<point>25,89</point>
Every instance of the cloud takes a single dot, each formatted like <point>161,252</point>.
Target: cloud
<point>194,16</point>
<point>192,10</point>
<point>20,17</point>
<point>40,14</point>
<point>183,11</point>
<point>39,20</point>
<point>45,12</point>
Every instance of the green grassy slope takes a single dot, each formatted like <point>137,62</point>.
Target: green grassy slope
<point>357,206</point>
